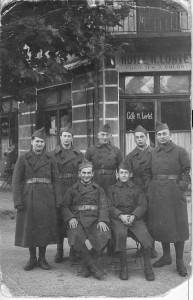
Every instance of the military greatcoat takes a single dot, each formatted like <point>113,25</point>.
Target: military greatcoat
<point>138,160</point>
<point>36,224</point>
<point>91,194</point>
<point>105,159</point>
<point>168,218</point>
<point>128,198</point>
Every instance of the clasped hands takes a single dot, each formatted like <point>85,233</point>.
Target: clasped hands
<point>101,225</point>
<point>127,219</point>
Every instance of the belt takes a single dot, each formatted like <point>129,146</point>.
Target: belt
<point>163,177</point>
<point>103,171</point>
<point>38,180</point>
<point>86,207</point>
<point>68,175</point>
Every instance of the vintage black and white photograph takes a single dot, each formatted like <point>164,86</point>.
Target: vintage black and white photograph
<point>95,149</point>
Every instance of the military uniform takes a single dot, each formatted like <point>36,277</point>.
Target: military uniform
<point>105,159</point>
<point>128,198</point>
<point>88,204</point>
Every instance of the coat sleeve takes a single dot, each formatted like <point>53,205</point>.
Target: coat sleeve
<point>147,173</point>
<point>88,154</point>
<point>67,201</point>
<point>56,182</point>
<point>114,212</point>
<point>103,206</point>
<point>185,166</point>
<point>18,180</point>
<point>141,208</point>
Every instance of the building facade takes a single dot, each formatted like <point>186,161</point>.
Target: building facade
<point>147,80</point>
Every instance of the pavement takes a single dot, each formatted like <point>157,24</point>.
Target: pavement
<point>64,280</point>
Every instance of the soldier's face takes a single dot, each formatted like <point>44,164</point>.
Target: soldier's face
<point>38,144</point>
<point>140,139</point>
<point>86,174</point>
<point>124,175</point>
<point>163,136</point>
<point>104,137</point>
<point>66,139</point>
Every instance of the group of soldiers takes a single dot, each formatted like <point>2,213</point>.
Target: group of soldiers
<point>104,199</point>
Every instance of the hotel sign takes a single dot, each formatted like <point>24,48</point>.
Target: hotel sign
<point>153,62</point>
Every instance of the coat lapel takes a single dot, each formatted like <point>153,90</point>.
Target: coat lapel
<point>42,161</point>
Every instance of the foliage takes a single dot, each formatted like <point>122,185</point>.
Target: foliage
<point>38,38</point>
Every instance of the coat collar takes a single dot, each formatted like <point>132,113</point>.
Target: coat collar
<point>109,145</point>
<point>30,153</point>
<point>130,183</point>
<point>167,147</point>
<point>60,148</point>
<point>78,184</point>
<point>137,151</point>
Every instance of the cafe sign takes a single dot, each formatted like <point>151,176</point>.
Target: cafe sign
<point>153,62</point>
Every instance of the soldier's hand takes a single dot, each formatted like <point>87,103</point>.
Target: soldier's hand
<point>20,207</point>
<point>102,226</point>
<point>124,219</point>
<point>73,223</point>
<point>131,219</point>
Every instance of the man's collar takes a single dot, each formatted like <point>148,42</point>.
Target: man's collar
<point>129,183</point>
<point>108,145</point>
<point>167,147</point>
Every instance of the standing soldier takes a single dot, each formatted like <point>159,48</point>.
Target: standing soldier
<point>86,211</point>
<point>168,219</point>
<point>67,159</point>
<point>138,159</point>
<point>36,195</point>
<point>105,158</point>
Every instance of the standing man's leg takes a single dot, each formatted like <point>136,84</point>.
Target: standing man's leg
<point>42,263</point>
<point>179,247</point>
<point>32,262</point>
<point>166,258</point>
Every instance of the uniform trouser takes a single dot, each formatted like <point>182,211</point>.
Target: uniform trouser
<point>61,230</point>
<point>138,231</point>
<point>98,239</point>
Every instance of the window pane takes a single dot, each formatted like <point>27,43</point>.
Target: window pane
<point>139,84</point>
<point>174,84</point>
<point>176,115</point>
<point>51,122</point>
<point>65,117</point>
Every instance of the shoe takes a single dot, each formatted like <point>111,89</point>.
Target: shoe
<point>86,272</point>
<point>124,274</point>
<point>153,252</point>
<point>181,269</point>
<point>98,274</point>
<point>31,264</point>
<point>42,263</point>
<point>149,274</point>
<point>59,256</point>
<point>164,260</point>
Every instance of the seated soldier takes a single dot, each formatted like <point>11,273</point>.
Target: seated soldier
<point>85,209</point>
<point>127,208</point>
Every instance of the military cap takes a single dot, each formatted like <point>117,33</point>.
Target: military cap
<point>85,164</point>
<point>40,133</point>
<point>105,128</point>
<point>67,128</point>
<point>160,126</point>
<point>140,128</point>
<point>125,166</point>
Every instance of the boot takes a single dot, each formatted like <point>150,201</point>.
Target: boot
<point>166,258</point>
<point>86,271</point>
<point>42,263</point>
<point>59,254</point>
<point>181,269</point>
<point>124,273</point>
<point>32,262</point>
<point>153,251</point>
<point>149,274</point>
<point>89,262</point>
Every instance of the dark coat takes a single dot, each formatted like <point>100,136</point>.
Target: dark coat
<point>36,225</point>
<point>91,194</point>
<point>128,198</point>
<point>104,157</point>
<point>168,218</point>
<point>67,161</point>
<point>138,160</point>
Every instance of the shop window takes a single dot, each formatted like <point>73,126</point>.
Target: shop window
<point>174,84</point>
<point>139,84</point>
<point>176,114</point>
<point>65,117</point>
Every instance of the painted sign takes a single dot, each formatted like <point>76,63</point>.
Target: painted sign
<point>153,62</point>
<point>139,113</point>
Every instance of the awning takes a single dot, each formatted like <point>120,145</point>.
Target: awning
<point>78,63</point>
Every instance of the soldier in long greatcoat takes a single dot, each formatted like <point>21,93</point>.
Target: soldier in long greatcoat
<point>68,160</point>
<point>36,195</point>
<point>138,159</point>
<point>169,170</point>
<point>86,212</point>
<point>127,210</point>
<point>105,158</point>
